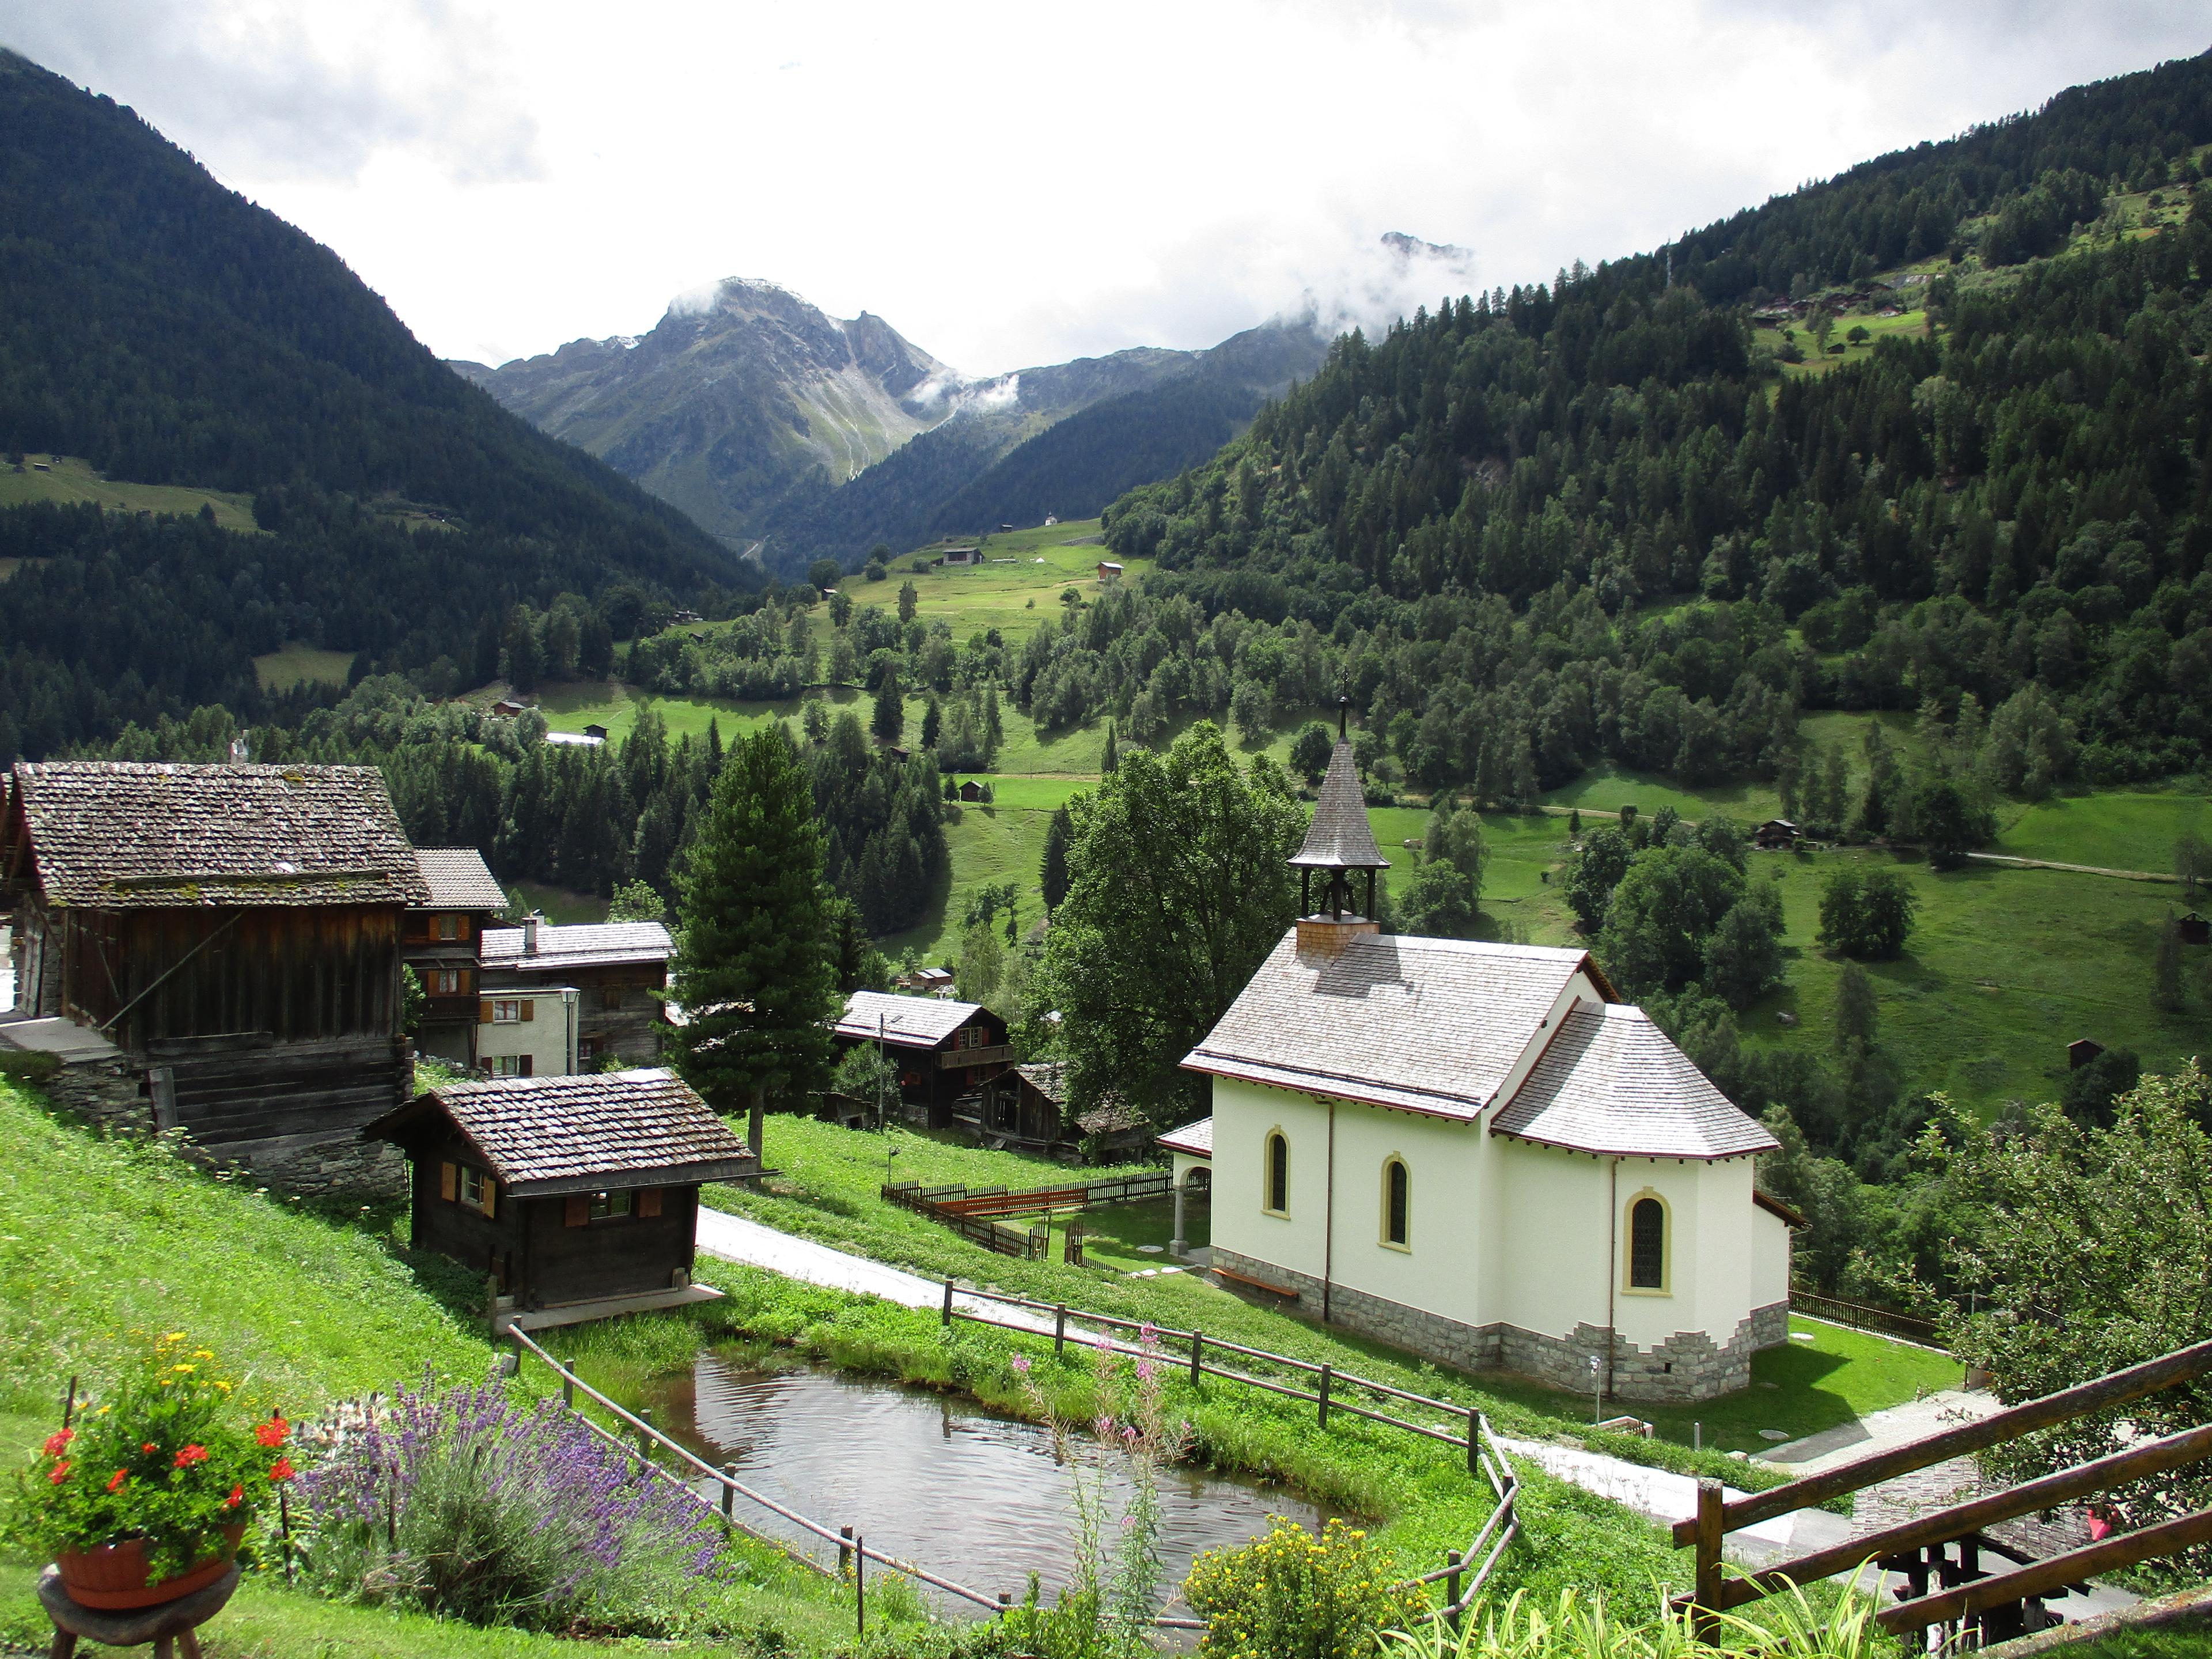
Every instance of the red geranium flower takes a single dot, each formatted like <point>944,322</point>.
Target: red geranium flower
<point>237,1497</point>
<point>149,1447</point>
<point>115,1481</point>
<point>60,1469</point>
<point>272,1432</point>
<point>57,1441</point>
<point>190,1455</point>
<point>282,1469</point>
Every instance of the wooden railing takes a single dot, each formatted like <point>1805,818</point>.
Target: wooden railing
<point>1939,1589</point>
<point>1862,1316</point>
<point>1464,1571</point>
<point>952,1059</point>
<point>1030,1243</point>
<point>947,1204</point>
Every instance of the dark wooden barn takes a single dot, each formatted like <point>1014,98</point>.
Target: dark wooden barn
<point>234,931</point>
<point>1025,1108</point>
<point>566,1189</point>
<point>440,938</point>
<point>944,1050</point>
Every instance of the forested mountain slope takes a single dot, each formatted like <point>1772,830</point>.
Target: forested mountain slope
<point>172,332</point>
<point>1608,518</point>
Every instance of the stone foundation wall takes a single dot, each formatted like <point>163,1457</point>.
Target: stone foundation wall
<point>1687,1365</point>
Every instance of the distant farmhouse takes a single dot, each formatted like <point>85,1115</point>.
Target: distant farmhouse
<point>1480,1153</point>
<point>216,948</point>
<point>941,1049</point>
<point>606,981</point>
<point>439,939</point>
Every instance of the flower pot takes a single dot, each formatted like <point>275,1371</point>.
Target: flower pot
<point>114,1576</point>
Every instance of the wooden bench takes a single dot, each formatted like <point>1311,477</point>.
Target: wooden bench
<point>1235,1277</point>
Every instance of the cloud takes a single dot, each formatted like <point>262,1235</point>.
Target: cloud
<point>262,90</point>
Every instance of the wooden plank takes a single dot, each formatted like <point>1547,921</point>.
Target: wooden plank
<point>2041,1578</point>
<point>2184,1365</point>
<point>2174,1451</point>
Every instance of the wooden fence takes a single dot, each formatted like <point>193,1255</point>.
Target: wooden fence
<point>947,1201</point>
<point>1464,1571</point>
<point>1957,1594</point>
<point>1862,1316</point>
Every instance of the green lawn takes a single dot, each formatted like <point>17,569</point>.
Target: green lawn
<point>71,478</point>
<point>280,671</point>
<point>1013,596</point>
<point>1606,788</point>
<point>2117,831</point>
<point>575,704</point>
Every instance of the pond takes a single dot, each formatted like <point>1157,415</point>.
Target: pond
<point>933,1479</point>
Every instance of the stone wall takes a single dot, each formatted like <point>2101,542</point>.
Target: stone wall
<point>1687,1365</point>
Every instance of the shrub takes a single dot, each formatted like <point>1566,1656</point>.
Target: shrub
<point>1866,913</point>
<point>1582,1627</point>
<point>172,1456</point>
<point>471,1506</point>
<point>1292,1595</point>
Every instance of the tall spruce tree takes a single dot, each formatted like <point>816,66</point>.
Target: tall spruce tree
<point>755,975</point>
<point>890,717</point>
<point>1052,874</point>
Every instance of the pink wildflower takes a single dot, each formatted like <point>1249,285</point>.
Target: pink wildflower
<point>1022,1364</point>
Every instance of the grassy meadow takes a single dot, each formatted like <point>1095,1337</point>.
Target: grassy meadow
<point>296,665</point>
<point>71,478</point>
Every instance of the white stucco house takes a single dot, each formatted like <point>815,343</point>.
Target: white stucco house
<point>1478,1153</point>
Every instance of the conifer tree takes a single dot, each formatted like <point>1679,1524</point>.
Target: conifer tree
<point>1052,876</point>
<point>889,720</point>
<point>755,975</point>
<point>933,722</point>
<point>1109,759</point>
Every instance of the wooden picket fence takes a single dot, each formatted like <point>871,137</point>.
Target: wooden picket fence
<point>1862,1315</point>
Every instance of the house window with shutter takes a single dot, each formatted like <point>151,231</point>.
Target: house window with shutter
<point>452,926</point>
<point>445,983</point>
<point>611,1206</point>
<point>505,1011</point>
<point>511,1065</point>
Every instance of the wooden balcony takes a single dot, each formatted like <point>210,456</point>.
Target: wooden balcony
<point>960,1059</point>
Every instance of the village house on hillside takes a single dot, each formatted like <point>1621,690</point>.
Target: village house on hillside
<point>1478,1153</point>
<point>616,973</point>
<point>439,939</point>
<point>1025,1108</point>
<point>942,1049</point>
<point>216,948</point>
<point>567,1190</point>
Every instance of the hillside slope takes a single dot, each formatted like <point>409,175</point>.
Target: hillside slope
<point>159,326</point>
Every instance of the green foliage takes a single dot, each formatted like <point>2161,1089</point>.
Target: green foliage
<point>824,574</point>
<point>636,901</point>
<point>2090,1093</point>
<point>171,1456</point>
<point>1743,953</point>
<point>413,1000</point>
<point>1178,888</point>
<point>1583,1626</point>
<point>884,824</point>
<point>1309,751</point>
<point>1595,874</point>
<point>1663,914</point>
<point>1948,824</point>
<point>982,964</point>
<point>2090,1249</point>
<point>889,719</point>
<point>1866,913</point>
<point>754,976</point>
<point>1291,1596</point>
<point>1052,874</point>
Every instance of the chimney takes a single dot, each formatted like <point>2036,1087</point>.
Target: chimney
<point>530,933</point>
<point>1323,938</point>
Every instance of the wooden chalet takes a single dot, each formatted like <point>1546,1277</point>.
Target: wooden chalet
<point>619,970</point>
<point>439,938</point>
<point>565,1190</point>
<point>1025,1108</point>
<point>944,1050</point>
<point>1776,835</point>
<point>971,791</point>
<point>233,932</point>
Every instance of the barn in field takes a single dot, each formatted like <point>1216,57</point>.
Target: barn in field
<point>567,1190</point>
<point>215,949</point>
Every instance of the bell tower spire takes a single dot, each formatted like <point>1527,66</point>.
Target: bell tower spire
<point>1339,841</point>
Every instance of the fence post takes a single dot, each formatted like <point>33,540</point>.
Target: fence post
<point>948,1304</point>
<point>1060,1331</point>
<point>1451,1582</point>
<point>1197,1344</point>
<point>568,1386</point>
<point>285,1526</point>
<point>1005,1602</point>
<point>860,1585</point>
<point>644,1433</point>
<point>69,1403</point>
<point>844,1551</point>
<point>1704,1620</point>
<point>729,1494</point>
<point>1324,1396</point>
<point>1474,1441</point>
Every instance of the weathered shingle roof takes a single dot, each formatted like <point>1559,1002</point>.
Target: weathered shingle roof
<point>1048,1078</point>
<point>1195,1139</point>
<point>1612,1082</point>
<point>118,833</point>
<point>1339,836</point>
<point>548,1135</point>
<point>459,880</point>
<point>579,944</point>
<point>1429,1024</point>
<point>909,1022</point>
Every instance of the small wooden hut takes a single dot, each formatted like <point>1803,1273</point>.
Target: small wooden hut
<point>566,1190</point>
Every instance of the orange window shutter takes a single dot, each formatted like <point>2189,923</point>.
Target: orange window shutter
<point>483,1013</point>
<point>529,1009</point>
<point>449,1180</point>
<point>578,1211</point>
<point>648,1201</point>
<point>490,1198</point>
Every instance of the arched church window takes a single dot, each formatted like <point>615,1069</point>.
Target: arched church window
<point>1647,1245</point>
<point>1397,1202</point>
<point>1279,1173</point>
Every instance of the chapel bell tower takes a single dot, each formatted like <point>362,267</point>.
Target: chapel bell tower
<point>1339,841</point>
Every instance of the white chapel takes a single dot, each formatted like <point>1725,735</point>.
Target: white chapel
<point>1480,1153</point>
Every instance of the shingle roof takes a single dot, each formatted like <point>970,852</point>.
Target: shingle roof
<point>1048,1078</point>
<point>1612,1082</point>
<point>459,880</point>
<point>579,944</point>
<point>1429,1024</point>
<point>1339,836</point>
<point>123,834</point>
<point>548,1135</point>
<point>1195,1139</point>
<point>909,1022</point>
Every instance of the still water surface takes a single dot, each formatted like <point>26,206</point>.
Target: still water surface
<point>937,1480</point>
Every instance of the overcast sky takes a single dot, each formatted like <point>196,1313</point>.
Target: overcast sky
<point>1018,184</point>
